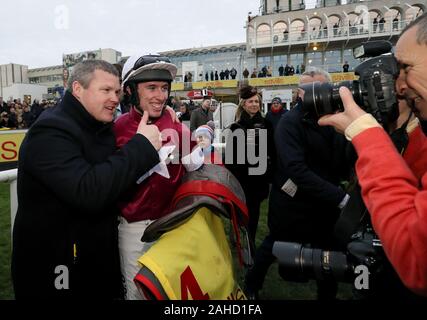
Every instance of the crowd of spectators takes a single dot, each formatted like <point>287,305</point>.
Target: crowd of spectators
<point>17,114</point>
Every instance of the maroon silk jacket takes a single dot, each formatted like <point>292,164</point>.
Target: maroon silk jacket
<point>152,198</point>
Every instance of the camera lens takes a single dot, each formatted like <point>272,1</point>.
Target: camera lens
<point>323,98</point>
<point>300,264</point>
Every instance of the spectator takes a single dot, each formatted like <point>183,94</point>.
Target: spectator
<point>264,71</point>
<point>4,120</point>
<point>205,136</point>
<point>251,126</point>
<point>381,24</point>
<point>281,70</point>
<point>245,73</point>
<point>27,117</point>
<point>305,198</point>
<point>287,68</point>
<point>375,24</point>
<point>185,113</point>
<point>302,68</point>
<point>269,71</point>
<point>275,113</point>
<point>201,115</point>
<point>335,29</point>
<point>222,75</point>
<point>395,23</point>
<point>212,76</point>
<point>3,106</point>
<point>227,74</point>
<point>345,66</point>
<point>13,122</point>
<point>233,73</point>
<point>285,35</point>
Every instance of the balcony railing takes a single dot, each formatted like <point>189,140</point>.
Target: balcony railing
<point>282,38</point>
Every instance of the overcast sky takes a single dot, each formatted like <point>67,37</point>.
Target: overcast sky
<point>37,33</point>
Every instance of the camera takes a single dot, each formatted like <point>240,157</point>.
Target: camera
<point>374,91</point>
<point>300,264</point>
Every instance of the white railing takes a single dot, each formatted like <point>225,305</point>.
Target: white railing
<point>10,176</point>
<point>317,33</point>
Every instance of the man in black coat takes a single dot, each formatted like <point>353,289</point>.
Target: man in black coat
<point>69,178</point>
<point>201,115</point>
<point>305,199</point>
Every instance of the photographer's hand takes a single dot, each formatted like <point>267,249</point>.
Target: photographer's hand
<point>340,121</point>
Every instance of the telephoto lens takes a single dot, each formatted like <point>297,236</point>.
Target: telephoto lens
<point>323,98</point>
<point>300,264</point>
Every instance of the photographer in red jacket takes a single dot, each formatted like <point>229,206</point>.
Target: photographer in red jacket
<point>394,188</point>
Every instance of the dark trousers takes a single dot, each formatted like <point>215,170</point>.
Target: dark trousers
<point>253,205</point>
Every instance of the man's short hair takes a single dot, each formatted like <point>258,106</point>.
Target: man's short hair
<point>83,72</point>
<point>421,23</point>
<point>314,71</point>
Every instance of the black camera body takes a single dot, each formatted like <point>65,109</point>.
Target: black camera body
<point>374,91</point>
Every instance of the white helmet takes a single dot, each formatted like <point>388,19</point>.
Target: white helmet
<point>149,67</point>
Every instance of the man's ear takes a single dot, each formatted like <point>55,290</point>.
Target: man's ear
<point>77,89</point>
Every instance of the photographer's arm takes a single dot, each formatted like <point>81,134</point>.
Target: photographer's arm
<point>390,191</point>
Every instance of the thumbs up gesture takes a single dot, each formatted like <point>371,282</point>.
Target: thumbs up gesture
<point>150,131</point>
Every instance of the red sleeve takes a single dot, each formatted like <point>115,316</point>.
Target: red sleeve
<point>416,152</point>
<point>398,205</point>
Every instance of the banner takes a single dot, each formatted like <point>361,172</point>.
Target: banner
<point>215,84</point>
<point>10,142</point>
<point>177,86</point>
<point>273,81</point>
<point>343,76</point>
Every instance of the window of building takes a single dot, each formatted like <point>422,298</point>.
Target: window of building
<point>296,60</point>
<point>348,56</point>
<point>314,59</point>
<point>277,62</point>
<point>263,61</point>
<point>333,62</point>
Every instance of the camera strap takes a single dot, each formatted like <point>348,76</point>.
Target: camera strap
<point>355,214</point>
<point>400,137</point>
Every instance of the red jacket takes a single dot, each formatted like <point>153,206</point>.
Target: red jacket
<point>395,192</point>
<point>152,198</point>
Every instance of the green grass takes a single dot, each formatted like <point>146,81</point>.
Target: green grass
<point>274,286</point>
<point>6,291</point>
